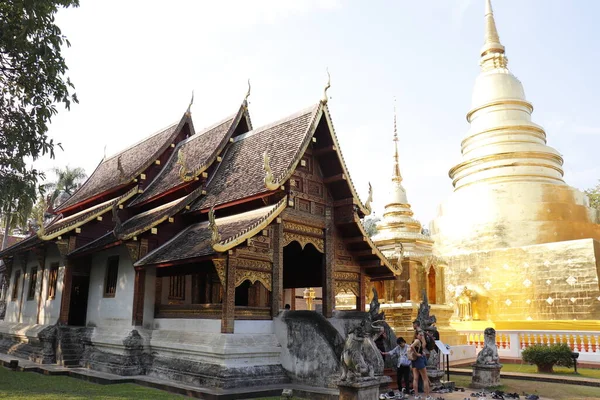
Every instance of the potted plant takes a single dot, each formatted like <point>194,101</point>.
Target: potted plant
<point>545,357</point>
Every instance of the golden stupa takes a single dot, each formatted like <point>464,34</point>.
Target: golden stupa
<point>401,240</point>
<point>520,243</point>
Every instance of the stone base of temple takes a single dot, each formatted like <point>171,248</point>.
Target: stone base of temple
<point>367,389</point>
<point>485,376</point>
<point>401,315</point>
<point>206,359</point>
<point>551,281</point>
<point>31,342</point>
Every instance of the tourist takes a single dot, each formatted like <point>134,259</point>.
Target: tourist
<point>418,365</point>
<point>419,389</point>
<point>287,307</point>
<point>403,365</point>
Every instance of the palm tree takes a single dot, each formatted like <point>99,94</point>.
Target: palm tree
<point>68,180</point>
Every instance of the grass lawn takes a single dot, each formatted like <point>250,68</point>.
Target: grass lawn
<point>555,391</point>
<point>33,386</point>
<point>532,369</point>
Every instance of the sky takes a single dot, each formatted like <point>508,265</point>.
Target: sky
<point>136,63</point>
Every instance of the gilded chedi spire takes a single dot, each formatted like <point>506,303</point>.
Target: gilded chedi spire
<point>502,144</point>
<point>398,225</point>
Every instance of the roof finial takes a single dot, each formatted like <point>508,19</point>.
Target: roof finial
<point>396,175</point>
<point>492,47</point>
<point>189,109</point>
<point>369,199</point>
<point>248,93</point>
<point>324,99</point>
<point>104,158</point>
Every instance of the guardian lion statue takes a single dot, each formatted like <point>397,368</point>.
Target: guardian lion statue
<point>489,354</point>
<point>360,358</point>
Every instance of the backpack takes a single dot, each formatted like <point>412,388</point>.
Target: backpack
<point>411,354</point>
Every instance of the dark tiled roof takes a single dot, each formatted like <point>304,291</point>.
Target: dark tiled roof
<point>134,160</point>
<point>241,174</point>
<point>146,220</point>
<point>195,240</point>
<point>199,151</point>
<point>64,225</point>
<point>24,244</point>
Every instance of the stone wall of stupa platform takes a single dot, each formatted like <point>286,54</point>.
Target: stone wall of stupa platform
<point>551,281</point>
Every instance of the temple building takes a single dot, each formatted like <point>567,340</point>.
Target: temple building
<point>519,242</point>
<point>176,255</point>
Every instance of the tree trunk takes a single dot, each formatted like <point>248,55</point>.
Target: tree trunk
<point>545,368</point>
<point>6,230</point>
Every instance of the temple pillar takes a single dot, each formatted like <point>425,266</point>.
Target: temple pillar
<point>139,285</point>
<point>64,248</point>
<point>277,279</point>
<point>362,287</point>
<point>228,310</point>
<point>328,265</point>
<point>415,272</point>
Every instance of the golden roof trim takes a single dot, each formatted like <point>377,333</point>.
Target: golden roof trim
<point>101,209</point>
<point>252,230</point>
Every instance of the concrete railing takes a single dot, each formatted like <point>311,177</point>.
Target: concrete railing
<point>511,343</point>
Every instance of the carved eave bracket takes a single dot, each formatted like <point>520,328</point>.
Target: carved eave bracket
<point>133,248</point>
<point>220,266</point>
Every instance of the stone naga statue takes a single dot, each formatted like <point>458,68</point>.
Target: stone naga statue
<point>489,354</point>
<point>360,358</point>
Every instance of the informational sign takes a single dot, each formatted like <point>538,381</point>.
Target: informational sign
<point>442,347</point>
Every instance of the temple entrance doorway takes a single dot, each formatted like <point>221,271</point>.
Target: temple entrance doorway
<point>80,285</point>
<point>303,277</point>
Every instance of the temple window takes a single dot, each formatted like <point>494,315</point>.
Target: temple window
<point>110,281</point>
<point>15,291</point>
<point>177,287</point>
<point>52,280</point>
<point>32,283</point>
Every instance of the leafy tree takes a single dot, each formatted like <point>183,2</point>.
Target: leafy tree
<point>32,84</point>
<point>594,196</point>
<point>370,224</point>
<point>16,211</point>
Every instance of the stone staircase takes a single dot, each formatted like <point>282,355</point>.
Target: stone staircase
<point>69,345</point>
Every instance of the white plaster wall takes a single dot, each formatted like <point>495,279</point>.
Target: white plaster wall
<point>50,309</point>
<point>111,311</point>
<point>253,327</point>
<point>12,305</point>
<point>30,307</point>
<point>462,352</point>
<point>188,325</point>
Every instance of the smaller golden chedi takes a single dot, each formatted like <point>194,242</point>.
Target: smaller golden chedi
<point>402,241</point>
